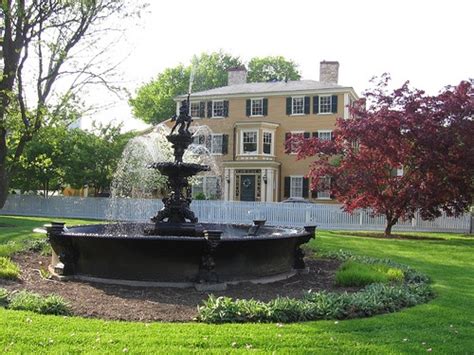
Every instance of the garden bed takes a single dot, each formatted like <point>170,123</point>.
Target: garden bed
<point>160,304</point>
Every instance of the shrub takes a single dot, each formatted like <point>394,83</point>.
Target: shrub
<point>40,245</point>
<point>8,269</point>
<point>200,196</point>
<point>3,297</point>
<point>376,298</point>
<point>28,301</point>
<point>353,273</point>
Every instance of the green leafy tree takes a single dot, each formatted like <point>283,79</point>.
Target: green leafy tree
<point>41,165</point>
<point>272,69</point>
<point>91,158</point>
<point>154,103</point>
<point>45,43</point>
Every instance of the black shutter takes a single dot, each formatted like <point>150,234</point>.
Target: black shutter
<point>334,104</point>
<point>315,134</point>
<point>288,105</point>
<point>226,108</point>
<point>307,100</point>
<point>306,135</point>
<point>305,187</point>
<point>209,109</point>
<point>202,108</point>
<point>265,107</point>
<point>225,143</point>
<point>331,195</point>
<point>286,192</point>
<point>314,194</point>
<point>315,104</point>
<point>248,104</point>
<point>287,144</point>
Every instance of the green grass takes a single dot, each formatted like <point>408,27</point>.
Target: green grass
<point>8,269</point>
<point>444,325</point>
<point>353,273</point>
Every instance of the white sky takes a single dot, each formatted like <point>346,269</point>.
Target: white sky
<point>430,43</point>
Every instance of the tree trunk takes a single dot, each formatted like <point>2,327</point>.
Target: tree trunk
<point>4,184</point>
<point>391,221</point>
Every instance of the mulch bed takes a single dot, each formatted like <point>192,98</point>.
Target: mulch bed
<point>159,304</point>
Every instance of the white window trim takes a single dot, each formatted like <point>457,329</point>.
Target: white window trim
<point>242,141</point>
<point>325,131</point>
<point>292,133</point>
<point>190,104</point>
<point>212,143</point>
<point>251,106</point>
<point>272,151</point>
<point>213,102</point>
<point>297,114</point>
<point>302,184</point>
<point>330,105</point>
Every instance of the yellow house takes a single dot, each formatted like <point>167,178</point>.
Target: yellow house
<point>250,123</point>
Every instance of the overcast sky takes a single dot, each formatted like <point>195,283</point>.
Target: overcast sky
<point>430,43</point>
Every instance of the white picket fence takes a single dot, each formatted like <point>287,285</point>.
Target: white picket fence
<point>278,214</point>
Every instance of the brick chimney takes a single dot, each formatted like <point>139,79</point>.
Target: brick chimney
<point>328,72</point>
<point>237,75</point>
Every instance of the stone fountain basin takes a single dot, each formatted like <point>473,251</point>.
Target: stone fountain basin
<point>122,254</point>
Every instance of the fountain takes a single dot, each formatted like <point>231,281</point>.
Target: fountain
<point>176,250</point>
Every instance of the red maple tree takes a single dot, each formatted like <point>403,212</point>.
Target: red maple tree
<point>402,151</point>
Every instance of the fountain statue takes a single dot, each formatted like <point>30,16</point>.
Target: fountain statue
<point>175,250</point>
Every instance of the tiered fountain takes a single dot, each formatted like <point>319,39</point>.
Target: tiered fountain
<point>176,250</point>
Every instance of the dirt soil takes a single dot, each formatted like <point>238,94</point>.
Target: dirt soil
<point>96,300</point>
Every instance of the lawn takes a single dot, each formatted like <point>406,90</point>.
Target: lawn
<point>445,325</point>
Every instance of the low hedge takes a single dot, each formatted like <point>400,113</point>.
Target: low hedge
<point>29,301</point>
<point>374,299</point>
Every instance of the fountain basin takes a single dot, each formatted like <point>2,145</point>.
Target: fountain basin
<point>122,254</point>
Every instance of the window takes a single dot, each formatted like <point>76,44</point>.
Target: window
<point>267,142</point>
<point>325,135</point>
<point>199,139</point>
<point>296,186</point>
<point>216,144</point>
<point>257,107</point>
<point>295,139</point>
<point>207,185</point>
<point>324,186</point>
<point>249,142</point>
<point>297,106</point>
<point>195,109</point>
<point>218,108</point>
<point>325,104</point>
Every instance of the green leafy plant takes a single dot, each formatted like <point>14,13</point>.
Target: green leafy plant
<point>200,196</point>
<point>411,288</point>
<point>8,269</point>
<point>28,301</point>
<point>3,297</point>
<point>41,246</point>
<point>353,273</point>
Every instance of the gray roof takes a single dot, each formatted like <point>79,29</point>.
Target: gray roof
<point>269,87</point>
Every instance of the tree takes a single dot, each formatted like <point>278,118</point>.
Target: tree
<point>272,69</point>
<point>154,103</point>
<point>46,43</point>
<point>430,138</point>
<point>57,157</point>
<point>91,158</point>
<point>41,165</point>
